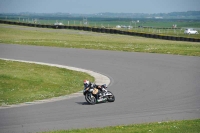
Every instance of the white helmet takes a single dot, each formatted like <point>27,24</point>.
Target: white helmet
<point>86,82</point>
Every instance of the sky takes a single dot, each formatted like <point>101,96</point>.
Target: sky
<point>98,6</point>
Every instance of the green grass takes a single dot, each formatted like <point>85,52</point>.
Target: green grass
<point>185,126</point>
<point>90,40</point>
<point>25,82</point>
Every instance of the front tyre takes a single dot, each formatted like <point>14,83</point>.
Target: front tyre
<point>110,97</point>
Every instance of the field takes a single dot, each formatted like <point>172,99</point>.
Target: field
<point>91,40</point>
<point>107,22</point>
<point>25,82</point>
<point>155,26</point>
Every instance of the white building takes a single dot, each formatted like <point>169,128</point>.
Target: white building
<point>58,23</point>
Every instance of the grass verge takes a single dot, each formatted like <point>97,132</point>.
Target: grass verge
<point>90,40</point>
<point>185,126</point>
<point>26,82</point>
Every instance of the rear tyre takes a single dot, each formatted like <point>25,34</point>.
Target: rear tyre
<point>90,98</point>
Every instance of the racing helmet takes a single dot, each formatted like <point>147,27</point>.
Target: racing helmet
<point>86,82</point>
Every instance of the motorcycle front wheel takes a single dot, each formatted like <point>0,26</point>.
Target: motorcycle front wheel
<point>111,97</point>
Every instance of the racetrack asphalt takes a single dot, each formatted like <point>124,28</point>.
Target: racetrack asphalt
<point>147,87</point>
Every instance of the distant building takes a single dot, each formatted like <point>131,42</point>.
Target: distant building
<point>174,26</point>
<point>118,26</point>
<point>158,17</point>
<point>58,23</point>
<point>124,26</point>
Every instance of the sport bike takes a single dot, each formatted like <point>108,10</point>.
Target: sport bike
<point>94,95</point>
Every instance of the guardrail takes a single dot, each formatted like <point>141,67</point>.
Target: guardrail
<point>105,30</point>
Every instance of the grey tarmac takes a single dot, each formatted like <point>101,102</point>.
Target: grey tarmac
<point>148,88</point>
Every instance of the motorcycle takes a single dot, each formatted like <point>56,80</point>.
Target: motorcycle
<point>94,95</point>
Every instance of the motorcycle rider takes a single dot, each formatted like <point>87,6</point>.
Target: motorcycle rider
<point>92,85</point>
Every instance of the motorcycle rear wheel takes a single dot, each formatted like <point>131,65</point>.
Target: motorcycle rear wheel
<point>90,98</point>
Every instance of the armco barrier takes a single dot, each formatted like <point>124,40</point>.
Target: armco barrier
<point>75,27</point>
<point>173,38</point>
<point>94,29</point>
<point>69,27</point>
<point>125,32</point>
<point>177,38</point>
<point>98,29</point>
<point>1,21</point>
<point>11,23</point>
<point>169,37</point>
<point>54,26</point>
<point>128,33</point>
<point>38,25</point>
<point>14,23</point>
<point>19,23</point>
<point>115,31</point>
<point>147,35</point>
<point>102,30</point>
<point>61,27</point>
<point>150,35</point>
<point>133,34</point>
<point>29,24</point>
<point>163,37</point>
<point>105,30</point>
<point>111,31</point>
<point>85,28</point>
<point>89,29</point>
<point>8,22</point>
<point>186,39</point>
<point>181,39</point>
<point>143,34</point>
<point>191,39</point>
<point>159,36</point>
<point>49,26</point>
<point>43,26</point>
<point>66,27</point>
<point>121,32</point>
<point>194,40</point>
<point>80,27</point>
<point>26,24</point>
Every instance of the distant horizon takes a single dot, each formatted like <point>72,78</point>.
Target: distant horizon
<point>96,6</point>
<point>101,12</point>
